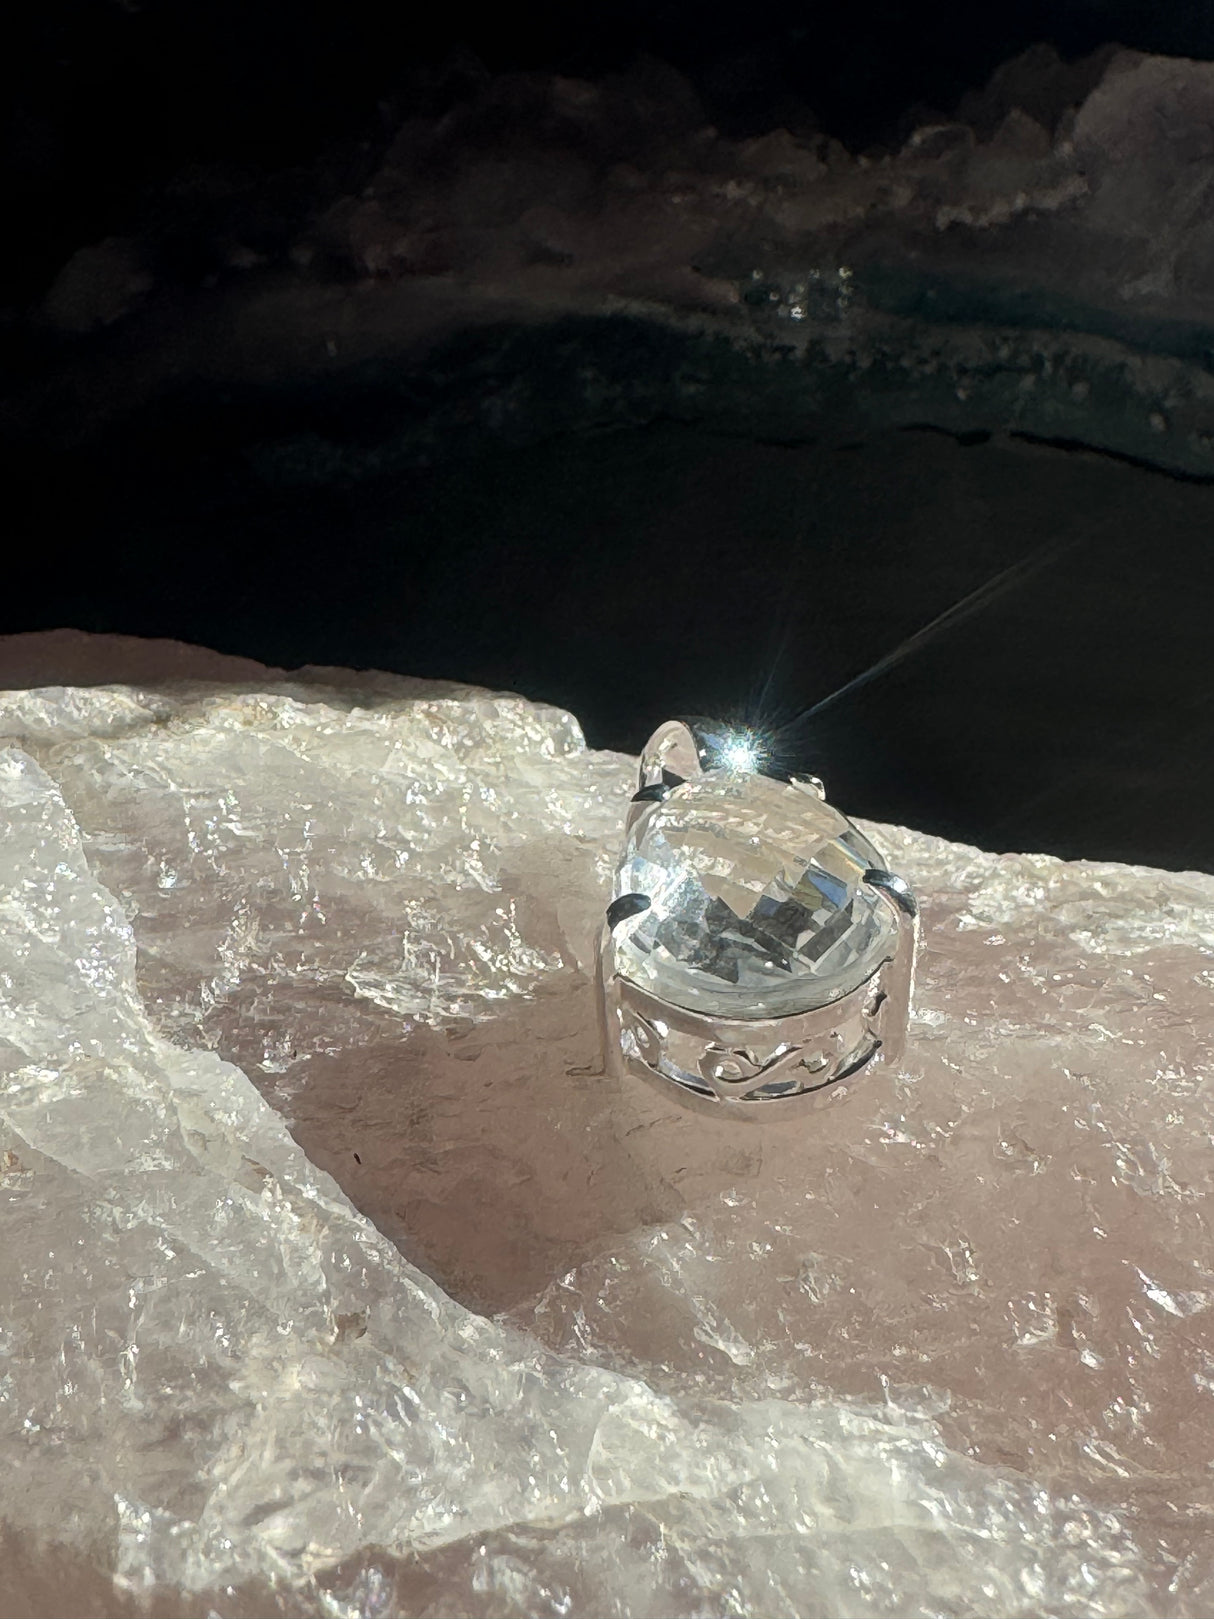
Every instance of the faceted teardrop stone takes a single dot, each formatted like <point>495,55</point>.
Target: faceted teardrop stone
<point>757,903</point>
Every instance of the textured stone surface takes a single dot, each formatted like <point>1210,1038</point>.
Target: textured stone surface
<point>337,1280</point>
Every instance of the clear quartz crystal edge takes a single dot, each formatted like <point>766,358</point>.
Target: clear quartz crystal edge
<point>757,900</point>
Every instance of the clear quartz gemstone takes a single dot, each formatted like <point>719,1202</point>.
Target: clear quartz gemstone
<point>758,906</point>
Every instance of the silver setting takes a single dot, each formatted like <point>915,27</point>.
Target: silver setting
<point>759,1068</point>
<point>677,751</point>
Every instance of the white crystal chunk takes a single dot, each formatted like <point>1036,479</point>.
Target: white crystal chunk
<point>757,902</point>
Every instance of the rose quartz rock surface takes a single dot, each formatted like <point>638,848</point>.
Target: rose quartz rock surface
<point>337,1278</point>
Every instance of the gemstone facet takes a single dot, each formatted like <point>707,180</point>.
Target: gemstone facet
<point>757,901</point>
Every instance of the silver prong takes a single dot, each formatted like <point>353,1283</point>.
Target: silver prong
<point>809,784</point>
<point>897,888</point>
<point>643,799</point>
<point>624,906</point>
<point>898,974</point>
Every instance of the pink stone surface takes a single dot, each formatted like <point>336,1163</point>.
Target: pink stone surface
<point>945,1346</point>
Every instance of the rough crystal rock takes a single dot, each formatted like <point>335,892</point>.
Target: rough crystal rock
<point>337,1280</point>
<point>757,904</point>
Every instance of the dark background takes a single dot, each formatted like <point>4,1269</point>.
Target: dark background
<point>655,569</point>
<point>105,101</point>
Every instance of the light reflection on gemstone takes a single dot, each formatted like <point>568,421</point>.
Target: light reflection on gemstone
<point>742,751</point>
<point>758,906</point>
